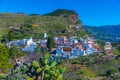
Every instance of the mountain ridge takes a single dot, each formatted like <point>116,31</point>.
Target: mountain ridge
<point>60,12</point>
<point>107,33</point>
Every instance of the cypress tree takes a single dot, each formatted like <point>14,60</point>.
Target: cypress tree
<point>50,43</point>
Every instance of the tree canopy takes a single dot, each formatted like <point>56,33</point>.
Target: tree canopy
<point>4,59</point>
<point>50,42</point>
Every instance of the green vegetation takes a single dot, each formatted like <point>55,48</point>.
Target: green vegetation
<point>42,70</point>
<point>116,52</point>
<point>92,67</point>
<point>82,33</point>
<point>14,52</point>
<point>2,32</point>
<point>4,59</point>
<point>16,75</point>
<point>50,42</point>
<point>101,43</point>
<point>86,72</point>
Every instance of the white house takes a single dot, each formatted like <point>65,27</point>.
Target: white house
<point>45,35</point>
<point>108,46</point>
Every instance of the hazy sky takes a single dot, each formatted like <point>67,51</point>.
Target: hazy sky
<point>91,12</point>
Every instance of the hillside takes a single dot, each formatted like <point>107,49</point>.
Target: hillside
<point>107,33</point>
<point>34,25</point>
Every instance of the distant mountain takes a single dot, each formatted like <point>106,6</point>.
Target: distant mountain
<point>107,33</point>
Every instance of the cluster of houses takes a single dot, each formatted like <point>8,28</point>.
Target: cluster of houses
<point>26,45</point>
<point>65,47</point>
<point>72,48</point>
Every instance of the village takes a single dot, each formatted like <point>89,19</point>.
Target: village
<point>64,47</point>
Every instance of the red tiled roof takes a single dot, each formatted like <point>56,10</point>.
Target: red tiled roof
<point>67,49</point>
<point>97,47</point>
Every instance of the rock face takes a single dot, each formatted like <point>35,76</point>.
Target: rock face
<point>74,21</point>
<point>71,15</point>
<point>73,18</point>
